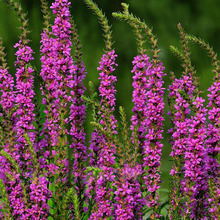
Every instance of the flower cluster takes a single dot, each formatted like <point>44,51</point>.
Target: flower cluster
<point>47,170</point>
<point>181,91</point>
<point>148,117</point>
<point>39,195</point>
<point>213,147</point>
<point>105,149</point>
<point>128,194</point>
<point>7,89</point>
<point>24,102</point>
<point>195,181</point>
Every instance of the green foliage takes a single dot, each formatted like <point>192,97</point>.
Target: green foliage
<point>4,201</point>
<point>137,23</point>
<point>137,30</point>
<point>103,21</point>
<point>22,19</point>
<point>179,54</point>
<point>46,14</point>
<point>78,53</point>
<point>17,168</point>
<point>210,51</point>
<point>33,154</point>
<point>97,109</point>
<point>2,54</point>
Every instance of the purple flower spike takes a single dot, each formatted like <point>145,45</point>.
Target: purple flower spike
<point>6,87</point>
<point>148,117</point>
<point>24,104</point>
<point>195,181</point>
<point>128,194</point>
<point>103,151</point>
<point>213,147</point>
<point>180,113</point>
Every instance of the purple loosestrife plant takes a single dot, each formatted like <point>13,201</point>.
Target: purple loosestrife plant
<point>7,103</point>
<point>179,114</point>
<point>76,119</point>
<point>25,131</point>
<point>128,195</point>
<point>21,152</point>
<point>148,110</point>
<point>61,75</point>
<point>47,171</point>
<point>24,103</point>
<point>212,142</point>
<point>194,183</point>
<point>105,149</point>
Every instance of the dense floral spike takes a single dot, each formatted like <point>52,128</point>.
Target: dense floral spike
<point>213,147</point>
<point>148,107</point>
<point>7,122</point>
<point>141,64</point>
<point>181,90</point>
<point>24,96</point>
<point>60,74</point>
<point>195,182</point>
<point>148,117</point>
<point>24,128</point>
<point>128,194</point>
<point>76,120</point>
<point>24,125</point>
<point>195,179</point>
<point>54,48</point>
<point>106,149</point>
<point>213,130</point>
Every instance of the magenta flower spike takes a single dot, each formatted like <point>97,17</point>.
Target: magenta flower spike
<point>180,114</point>
<point>148,117</point>
<point>24,118</point>
<point>7,103</point>
<point>102,149</point>
<point>128,194</point>
<point>56,70</point>
<point>63,86</point>
<point>213,147</point>
<point>195,181</point>
<point>24,103</point>
<point>38,207</point>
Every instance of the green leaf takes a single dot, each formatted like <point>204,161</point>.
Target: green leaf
<point>52,211</point>
<point>50,203</point>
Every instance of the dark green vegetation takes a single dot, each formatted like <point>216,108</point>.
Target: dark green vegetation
<point>198,17</point>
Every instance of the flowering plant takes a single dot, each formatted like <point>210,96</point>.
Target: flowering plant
<point>47,169</point>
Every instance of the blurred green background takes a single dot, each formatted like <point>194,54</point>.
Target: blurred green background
<point>198,17</point>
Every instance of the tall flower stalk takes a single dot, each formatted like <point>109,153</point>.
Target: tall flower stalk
<point>181,90</point>
<point>61,75</point>
<point>7,134</point>
<point>77,118</point>
<point>27,178</point>
<point>212,142</point>
<point>148,110</point>
<point>104,148</point>
<point>194,183</point>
